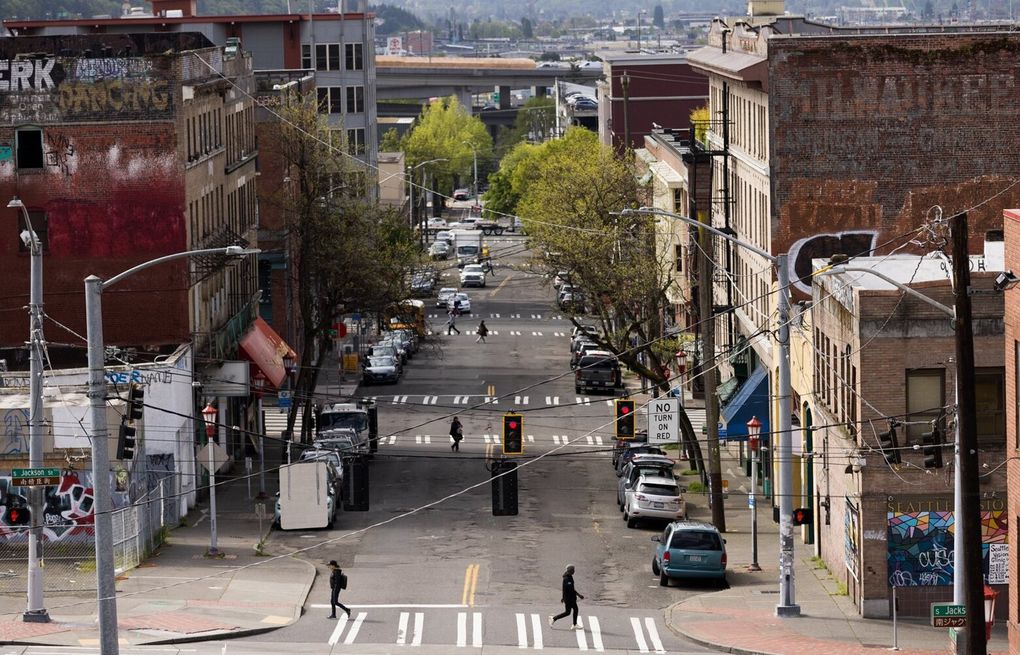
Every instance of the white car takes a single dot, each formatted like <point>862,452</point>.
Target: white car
<point>461,302</point>
<point>439,250</point>
<point>436,224</point>
<point>445,236</point>
<point>462,194</point>
<point>466,223</point>
<point>444,296</point>
<point>654,498</point>
<point>472,275</point>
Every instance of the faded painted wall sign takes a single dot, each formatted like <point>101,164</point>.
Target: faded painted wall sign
<point>6,152</point>
<point>29,74</point>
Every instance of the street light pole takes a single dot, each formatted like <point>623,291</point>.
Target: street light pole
<point>787,606</point>
<point>106,589</point>
<point>753,440</point>
<point>36,611</point>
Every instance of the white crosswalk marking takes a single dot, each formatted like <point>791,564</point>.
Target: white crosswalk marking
<point>476,629</point>
<point>582,640</point>
<point>610,403</point>
<point>536,631</point>
<point>494,333</point>
<point>539,316</point>
<point>425,400</point>
<point>393,439</point>
<point>556,400</point>
<point>276,422</point>
<point>653,635</point>
<point>639,634</point>
<point>338,630</point>
<point>598,440</point>
<point>531,438</point>
<point>522,631</point>
<point>520,400</point>
<point>587,402</point>
<point>596,633</point>
<point>419,622</point>
<point>591,440</point>
<point>548,400</point>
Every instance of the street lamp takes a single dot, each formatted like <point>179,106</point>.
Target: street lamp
<point>209,417</point>
<point>35,612</point>
<point>639,14</point>
<point>106,589</point>
<point>787,606</point>
<point>259,389</point>
<point>753,435</point>
<point>410,190</point>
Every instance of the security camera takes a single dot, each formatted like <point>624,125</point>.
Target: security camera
<point>1005,281</point>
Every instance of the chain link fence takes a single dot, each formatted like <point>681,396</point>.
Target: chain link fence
<point>67,554</point>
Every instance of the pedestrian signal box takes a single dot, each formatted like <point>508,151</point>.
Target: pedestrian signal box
<point>802,516</point>
<point>513,434</point>
<point>624,419</point>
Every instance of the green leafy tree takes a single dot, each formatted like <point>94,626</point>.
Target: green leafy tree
<point>391,141</point>
<point>394,20</point>
<point>507,184</point>
<point>569,207</point>
<point>446,130</point>
<point>535,122</point>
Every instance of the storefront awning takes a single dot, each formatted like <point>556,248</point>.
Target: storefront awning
<point>265,349</point>
<point>751,399</point>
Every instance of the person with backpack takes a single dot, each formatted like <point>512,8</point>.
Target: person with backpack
<point>482,331</point>
<point>569,598</point>
<point>456,433</point>
<point>451,321</point>
<point>337,581</point>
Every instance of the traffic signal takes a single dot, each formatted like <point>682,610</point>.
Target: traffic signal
<point>355,484</point>
<point>126,440</point>
<point>135,402</point>
<point>504,488</point>
<point>932,442</point>
<point>513,429</point>
<point>890,445</point>
<point>624,419</point>
<point>802,516</point>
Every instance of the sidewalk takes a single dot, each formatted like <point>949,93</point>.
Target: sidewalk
<point>179,594</point>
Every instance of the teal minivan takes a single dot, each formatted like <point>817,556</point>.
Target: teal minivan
<point>689,549</point>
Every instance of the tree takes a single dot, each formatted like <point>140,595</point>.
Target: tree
<point>394,20</point>
<point>349,254</point>
<point>507,184</point>
<point>391,141</point>
<point>535,122</point>
<point>657,17</point>
<point>447,130</point>
<point>568,205</point>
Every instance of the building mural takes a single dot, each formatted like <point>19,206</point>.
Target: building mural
<point>15,440</point>
<point>851,536</point>
<point>67,513</point>
<point>920,545</point>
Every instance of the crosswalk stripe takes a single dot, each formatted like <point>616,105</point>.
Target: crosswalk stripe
<point>402,629</point>
<point>653,635</point>
<point>556,400</point>
<point>531,438</point>
<point>352,634</point>
<point>461,629</point>
<point>536,630</point>
<point>598,440</point>
<point>591,441</point>
<point>639,634</point>
<point>582,640</point>
<point>393,439</point>
<point>522,631</point>
<point>338,630</point>
<point>596,633</point>
<point>548,400</point>
<point>476,630</point>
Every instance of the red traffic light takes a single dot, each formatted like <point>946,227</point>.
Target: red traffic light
<point>512,425</point>
<point>624,409</point>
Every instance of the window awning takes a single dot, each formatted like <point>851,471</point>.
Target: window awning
<point>751,399</point>
<point>265,349</point>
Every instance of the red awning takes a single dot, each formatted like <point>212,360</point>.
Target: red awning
<point>265,349</point>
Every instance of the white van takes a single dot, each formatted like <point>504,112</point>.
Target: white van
<point>308,496</point>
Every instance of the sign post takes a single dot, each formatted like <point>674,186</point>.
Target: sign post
<point>664,420</point>
<point>47,477</point>
<point>948,615</point>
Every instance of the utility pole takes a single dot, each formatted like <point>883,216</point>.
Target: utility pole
<point>973,637</point>
<point>625,81</point>
<point>35,612</point>
<point>709,373</point>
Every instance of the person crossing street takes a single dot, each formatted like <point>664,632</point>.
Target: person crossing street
<point>482,332</point>
<point>337,581</point>
<point>569,598</point>
<point>451,321</point>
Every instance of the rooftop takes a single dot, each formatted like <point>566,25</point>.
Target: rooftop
<point>911,269</point>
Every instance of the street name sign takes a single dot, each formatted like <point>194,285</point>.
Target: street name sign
<point>948,615</point>
<point>32,477</point>
<point>664,420</point>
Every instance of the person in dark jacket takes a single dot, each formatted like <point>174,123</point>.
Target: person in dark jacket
<point>569,599</point>
<point>335,577</point>
<point>456,433</point>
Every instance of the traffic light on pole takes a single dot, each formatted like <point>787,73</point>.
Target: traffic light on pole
<point>932,442</point>
<point>513,429</point>
<point>624,419</point>
<point>126,440</point>
<point>802,516</point>
<point>890,445</point>
<point>135,402</point>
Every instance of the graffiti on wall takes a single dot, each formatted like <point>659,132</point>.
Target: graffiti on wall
<point>60,153</point>
<point>45,89</point>
<point>15,422</point>
<point>823,246</point>
<point>851,535</point>
<point>921,545</point>
<point>67,510</point>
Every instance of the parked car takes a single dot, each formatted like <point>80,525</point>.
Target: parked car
<point>408,338</point>
<point>689,549</point>
<point>445,236</point>
<point>561,278</point>
<point>630,472</point>
<point>581,347</point>
<point>572,301</point>
<point>380,369</point>
<point>333,490</point>
<point>461,194</point>
<point>597,370</point>
<point>443,300</point>
<point>439,250</point>
<point>341,440</point>
<point>422,283</point>
<point>461,302</point>
<point>654,497</point>
<point>385,349</point>
<point>436,224</point>
<point>402,353</point>
<point>472,275</point>
<point>623,451</point>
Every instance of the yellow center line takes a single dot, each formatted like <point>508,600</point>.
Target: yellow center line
<point>470,581</point>
<point>474,584</point>
<point>501,284</point>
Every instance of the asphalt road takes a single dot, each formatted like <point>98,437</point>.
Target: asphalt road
<point>429,564</point>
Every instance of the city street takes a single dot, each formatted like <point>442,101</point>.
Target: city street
<point>430,564</point>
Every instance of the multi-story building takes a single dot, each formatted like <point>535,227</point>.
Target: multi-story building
<point>1011,231</point>
<point>124,148</point>
<point>642,90</point>
<point>885,517</point>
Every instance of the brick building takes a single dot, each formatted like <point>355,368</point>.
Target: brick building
<point>642,89</point>
<point>1011,230</point>
<point>880,353</point>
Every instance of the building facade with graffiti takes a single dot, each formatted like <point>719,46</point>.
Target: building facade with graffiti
<point>1011,233</point>
<point>884,518</point>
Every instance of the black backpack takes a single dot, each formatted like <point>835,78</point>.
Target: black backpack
<point>343,580</point>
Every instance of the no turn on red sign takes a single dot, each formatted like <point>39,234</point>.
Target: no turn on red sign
<point>664,420</point>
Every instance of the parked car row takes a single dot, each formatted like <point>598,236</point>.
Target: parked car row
<point>450,298</point>
<point>385,360</point>
<point>595,369</point>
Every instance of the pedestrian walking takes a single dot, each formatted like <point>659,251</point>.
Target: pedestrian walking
<point>569,599</point>
<point>451,321</point>
<point>482,332</point>
<point>337,581</point>
<point>489,268</point>
<point>456,433</point>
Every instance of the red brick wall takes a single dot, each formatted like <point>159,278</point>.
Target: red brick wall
<point>869,133</point>
<point>677,90</point>
<point>114,197</point>
<point>1011,225</point>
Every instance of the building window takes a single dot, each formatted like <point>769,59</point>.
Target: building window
<point>29,145</point>
<point>356,141</point>
<point>306,55</point>
<point>322,96</point>
<point>39,223</point>
<point>990,390</point>
<point>355,61</point>
<point>678,253</point>
<point>926,398</point>
<point>327,56</point>
<point>355,99</point>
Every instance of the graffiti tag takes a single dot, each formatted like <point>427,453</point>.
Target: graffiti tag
<point>15,432</point>
<point>59,152</point>
<point>27,74</point>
